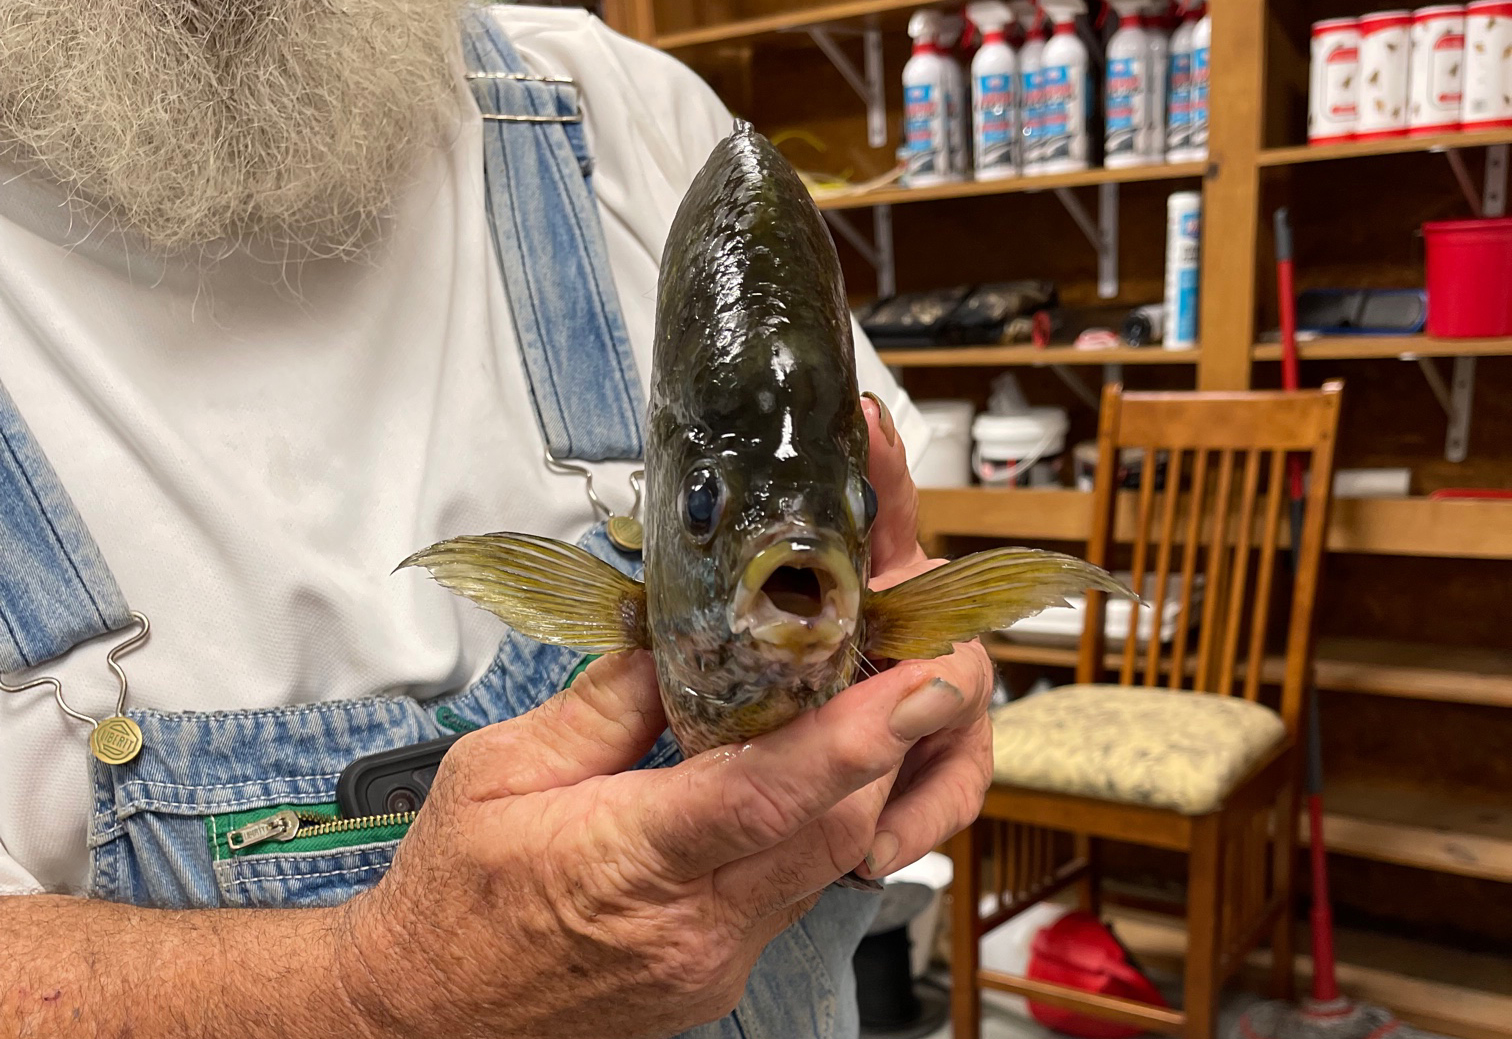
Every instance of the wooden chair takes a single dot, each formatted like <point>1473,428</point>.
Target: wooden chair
<point>1214,776</point>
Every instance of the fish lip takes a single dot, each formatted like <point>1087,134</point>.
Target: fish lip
<point>787,637</point>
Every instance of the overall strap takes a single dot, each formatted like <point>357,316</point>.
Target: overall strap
<point>55,589</point>
<point>550,245</point>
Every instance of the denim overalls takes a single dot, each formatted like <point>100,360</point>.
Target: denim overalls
<point>158,834</point>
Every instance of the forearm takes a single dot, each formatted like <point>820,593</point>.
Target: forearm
<point>71,966</point>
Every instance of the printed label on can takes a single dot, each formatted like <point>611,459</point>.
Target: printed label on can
<point>1334,83</point>
<point>1200,98</point>
<point>1029,127</point>
<point>1384,64</point>
<point>1487,96</point>
<point>1127,100</point>
<point>1056,98</point>
<point>923,141</point>
<point>1179,112</point>
<point>995,120</point>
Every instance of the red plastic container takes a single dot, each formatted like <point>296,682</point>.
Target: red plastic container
<point>1469,278</point>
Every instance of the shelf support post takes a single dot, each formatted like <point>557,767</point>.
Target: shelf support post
<point>866,82</point>
<point>1103,235</point>
<point>1461,391</point>
<point>878,252</point>
<point>882,235</point>
<point>1076,386</point>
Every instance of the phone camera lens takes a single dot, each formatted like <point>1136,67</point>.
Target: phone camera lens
<point>402,800</point>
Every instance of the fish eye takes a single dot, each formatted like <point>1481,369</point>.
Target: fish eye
<point>703,501</point>
<point>862,502</point>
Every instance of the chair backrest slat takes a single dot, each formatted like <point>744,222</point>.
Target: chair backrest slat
<point>1163,563</point>
<point>1189,568</point>
<point>1239,574</point>
<point>1212,589</point>
<point>1141,544</point>
<point>1225,483</point>
<point>1276,493</point>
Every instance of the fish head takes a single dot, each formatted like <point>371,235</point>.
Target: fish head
<point>774,526</point>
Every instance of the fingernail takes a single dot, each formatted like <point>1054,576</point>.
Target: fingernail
<point>884,849</point>
<point>927,709</point>
<point>884,420</point>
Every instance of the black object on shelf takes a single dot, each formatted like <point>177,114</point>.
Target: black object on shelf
<point>1362,311</point>
<point>951,317</point>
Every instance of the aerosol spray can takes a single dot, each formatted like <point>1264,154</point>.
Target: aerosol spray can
<point>926,132</point>
<point>994,89</point>
<point>1183,269</point>
<point>1064,143</point>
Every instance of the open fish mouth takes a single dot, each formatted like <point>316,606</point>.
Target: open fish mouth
<point>798,599</point>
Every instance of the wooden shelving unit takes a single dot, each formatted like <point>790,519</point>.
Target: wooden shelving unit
<point>1424,829</point>
<point>1389,146</point>
<point>893,196</point>
<point>1465,529</point>
<point>1374,666</point>
<point>1348,348</point>
<point>1356,209</point>
<point>1029,356</point>
<point>748,29</point>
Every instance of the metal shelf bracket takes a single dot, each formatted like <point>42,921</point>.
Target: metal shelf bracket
<point>866,82</point>
<point>878,252</point>
<point>1103,235</point>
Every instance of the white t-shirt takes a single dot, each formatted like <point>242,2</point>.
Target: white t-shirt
<point>254,448</point>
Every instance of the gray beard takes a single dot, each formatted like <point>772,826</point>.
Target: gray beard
<point>187,122</point>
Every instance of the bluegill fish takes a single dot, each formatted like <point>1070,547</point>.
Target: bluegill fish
<point>755,603</point>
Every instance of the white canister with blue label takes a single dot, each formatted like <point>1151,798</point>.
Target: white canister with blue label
<point>1183,269</point>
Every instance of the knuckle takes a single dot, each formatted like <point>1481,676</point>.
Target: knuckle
<point>763,812</point>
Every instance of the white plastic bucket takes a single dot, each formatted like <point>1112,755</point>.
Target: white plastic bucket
<point>946,462</point>
<point>1009,447</point>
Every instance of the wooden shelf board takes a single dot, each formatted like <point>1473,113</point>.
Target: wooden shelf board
<point>1404,347</point>
<point>1447,674</point>
<point>1406,976</point>
<point>1413,826</point>
<point>1027,356</point>
<point>1386,146</point>
<point>890,196</point>
<point>1466,528</point>
<point>747,29</point>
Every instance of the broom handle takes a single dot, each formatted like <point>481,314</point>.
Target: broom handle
<point>1325,983</point>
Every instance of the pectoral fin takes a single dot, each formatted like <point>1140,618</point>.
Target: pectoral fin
<point>547,590</point>
<point>924,615</point>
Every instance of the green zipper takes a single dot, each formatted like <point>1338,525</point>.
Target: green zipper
<point>299,828</point>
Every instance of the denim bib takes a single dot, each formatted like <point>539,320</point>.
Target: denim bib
<point>159,827</point>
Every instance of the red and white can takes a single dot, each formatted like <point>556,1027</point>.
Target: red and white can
<point>1488,65</point>
<point>1334,90</point>
<point>1385,58</point>
<point>1438,60</point>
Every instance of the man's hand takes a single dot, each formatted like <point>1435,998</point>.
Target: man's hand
<point>939,789</point>
<point>545,891</point>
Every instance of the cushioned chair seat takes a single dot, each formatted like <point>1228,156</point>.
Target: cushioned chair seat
<point>1164,749</point>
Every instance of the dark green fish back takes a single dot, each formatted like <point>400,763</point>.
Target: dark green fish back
<point>750,284</point>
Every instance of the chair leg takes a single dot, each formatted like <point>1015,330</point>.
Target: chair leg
<point>965,947</point>
<point>1089,886</point>
<point>1204,904</point>
<point>1284,871</point>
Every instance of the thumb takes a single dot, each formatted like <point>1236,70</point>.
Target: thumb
<point>603,723</point>
<point>895,534</point>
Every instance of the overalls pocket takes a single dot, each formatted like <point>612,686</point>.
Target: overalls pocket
<point>300,856</point>
<point>178,827</point>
